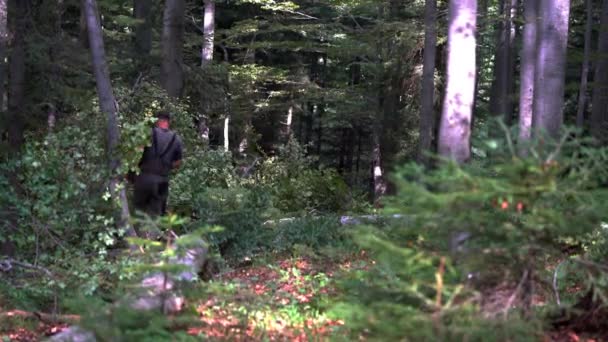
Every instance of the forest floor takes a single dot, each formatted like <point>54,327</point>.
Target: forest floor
<point>283,300</point>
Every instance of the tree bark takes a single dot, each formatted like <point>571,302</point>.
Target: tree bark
<point>427,113</point>
<point>3,49</point>
<point>511,60</point>
<point>500,102</point>
<point>16,85</point>
<point>172,74</point>
<point>599,112</point>
<point>208,32</point>
<point>378,182</point>
<point>107,104</point>
<point>83,34</point>
<point>549,83</point>
<point>226,135</point>
<point>582,96</point>
<point>528,65</point>
<point>455,126</point>
<point>143,30</point>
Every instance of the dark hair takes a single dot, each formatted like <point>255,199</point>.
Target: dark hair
<point>163,115</point>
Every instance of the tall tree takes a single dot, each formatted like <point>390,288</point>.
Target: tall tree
<point>107,104</point>
<point>528,65</point>
<point>427,112</point>
<point>208,32</point>
<point>599,111</point>
<point>550,73</point>
<point>142,10</point>
<point>455,126</point>
<point>3,49</point>
<point>172,74</point>
<point>582,95</point>
<point>500,101</point>
<point>16,86</point>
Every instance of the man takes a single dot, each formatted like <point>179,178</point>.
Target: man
<point>162,156</point>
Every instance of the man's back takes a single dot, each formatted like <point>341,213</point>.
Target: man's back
<point>166,147</point>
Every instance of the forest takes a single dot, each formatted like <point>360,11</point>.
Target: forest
<point>304,170</point>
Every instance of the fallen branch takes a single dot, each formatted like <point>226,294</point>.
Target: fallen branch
<point>344,220</point>
<point>523,280</point>
<point>7,264</point>
<point>41,316</point>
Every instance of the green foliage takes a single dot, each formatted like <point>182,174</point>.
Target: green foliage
<point>519,214</point>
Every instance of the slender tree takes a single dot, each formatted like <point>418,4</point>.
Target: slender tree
<point>172,74</point>
<point>582,95</point>
<point>107,104</point>
<point>500,102</point>
<point>599,111</point>
<point>16,85</point>
<point>143,29</point>
<point>550,73</point>
<point>208,32</point>
<point>528,65</point>
<point>427,113</point>
<point>455,126</point>
<point>3,49</point>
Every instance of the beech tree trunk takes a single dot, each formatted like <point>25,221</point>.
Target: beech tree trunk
<point>511,61</point>
<point>143,30</point>
<point>107,104</point>
<point>599,112</point>
<point>455,126</point>
<point>208,32</point>
<point>582,96</point>
<point>427,112</point>
<point>16,85</point>
<point>528,65</point>
<point>172,74</point>
<point>3,49</point>
<point>550,70</point>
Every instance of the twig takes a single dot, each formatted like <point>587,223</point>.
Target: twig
<point>43,317</point>
<point>592,264</point>
<point>508,136</point>
<point>514,295</point>
<point>554,154</point>
<point>439,279</point>
<point>7,264</point>
<point>555,289</point>
<point>306,16</point>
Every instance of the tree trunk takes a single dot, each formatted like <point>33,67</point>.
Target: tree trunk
<point>172,74</point>
<point>427,113</point>
<point>511,60</point>
<point>16,85</point>
<point>528,65</point>
<point>455,126</point>
<point>208,32</point>
<point>83,35</point>
<point>500,103</point>
<point>226,135</point>
<point>550,76</point>
<point>378,183</point>
<point>582,96</point>
<point>3,49</point>
<point>599,112</point>
<point>143,30</point>
<point>107,105</point>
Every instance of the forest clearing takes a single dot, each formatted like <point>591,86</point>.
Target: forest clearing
<point>309,170</point>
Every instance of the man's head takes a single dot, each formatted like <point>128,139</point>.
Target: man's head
<point>163,119</point>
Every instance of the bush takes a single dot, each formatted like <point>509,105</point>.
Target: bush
<point>502,224</point>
